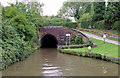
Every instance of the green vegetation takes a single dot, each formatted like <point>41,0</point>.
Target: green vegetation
<point>93,14</point>
<point>107,52</point>
<point>99,10</point>
<point>113,32</point>
<point>107,49</point>
<point>76,40</point>
<point>20,25</point>
<point>73,38</point>
<point>112,38</point>
<point>58,21</point>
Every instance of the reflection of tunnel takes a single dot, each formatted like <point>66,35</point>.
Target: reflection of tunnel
<point>49,41</point>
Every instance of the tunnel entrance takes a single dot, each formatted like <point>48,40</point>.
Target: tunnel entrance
<point>48,41</point>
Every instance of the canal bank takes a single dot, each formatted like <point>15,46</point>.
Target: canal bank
<point>107,52</point>
<point>91,55</point>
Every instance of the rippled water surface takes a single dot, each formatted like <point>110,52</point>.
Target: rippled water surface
<point>49,62</point>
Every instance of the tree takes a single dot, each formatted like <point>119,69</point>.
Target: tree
<point>112,14</point>
<point>19,27</point>
<point>88,8</point>
<point>99,11</point>
<point>86,17</point>
<point>72,9</point>
<point>25,20</point>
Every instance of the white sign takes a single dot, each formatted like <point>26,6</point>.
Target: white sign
<point>67,34</point>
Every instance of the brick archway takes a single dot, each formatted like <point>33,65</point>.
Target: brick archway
<point>60,33</point>
<point>48,41</point>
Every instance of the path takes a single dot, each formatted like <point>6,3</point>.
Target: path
<point>101,38</point>
<point>101,33</point>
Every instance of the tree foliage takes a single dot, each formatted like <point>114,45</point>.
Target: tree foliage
<point>112,14</point>
<point>94,14</point>
<point>19,26</point>
<point>54,20</point>
<point>72,9</point>
<point>99,11</point>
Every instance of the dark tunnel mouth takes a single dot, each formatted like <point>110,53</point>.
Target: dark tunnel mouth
<point>48,41</point>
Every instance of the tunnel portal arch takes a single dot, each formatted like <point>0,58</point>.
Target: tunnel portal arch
<point>48,41</point>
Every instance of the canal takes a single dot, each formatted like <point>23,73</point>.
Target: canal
<point>49,62</point>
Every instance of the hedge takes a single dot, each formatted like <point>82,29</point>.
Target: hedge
<point>64,24</point>
<point>98,24</point>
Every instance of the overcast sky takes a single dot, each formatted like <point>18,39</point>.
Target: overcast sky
<point>51,7</point>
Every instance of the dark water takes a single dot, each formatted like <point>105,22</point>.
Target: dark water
<point>49,62</point>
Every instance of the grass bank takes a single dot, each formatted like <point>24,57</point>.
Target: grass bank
<point>112,32</point>
<point>103,51</point>
<point>116,39</point>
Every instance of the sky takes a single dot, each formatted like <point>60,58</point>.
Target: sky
<point>51,7</point>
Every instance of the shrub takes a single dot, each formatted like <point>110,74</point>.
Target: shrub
<point>78,39</point>
<point>100,24</point>
<point>73,38</point>
<point>86,24</point>
<point>93,24</point>
<point>116,25</point>
<point>70,24</point>
<point>14,48</point>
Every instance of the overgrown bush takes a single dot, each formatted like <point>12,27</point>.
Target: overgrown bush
<point>14,47</point>
<point>93,24</point>
<point>70,24</point>
<point>73,38</point>
<point>116,25</point>
<point>99,24</point>
<point>19,28</point>
<point>86,24</point>
<point>57,21</point>
<point>78,39</point>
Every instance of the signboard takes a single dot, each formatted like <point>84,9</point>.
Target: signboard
<point>67,39</point>
<point>67,34</point>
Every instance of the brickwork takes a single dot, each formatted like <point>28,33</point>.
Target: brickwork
<point>60,33</point>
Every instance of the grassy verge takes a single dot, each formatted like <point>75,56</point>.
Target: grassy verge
<point>116,39</point>
<point>103,51</point>
<point>108,48</point>
<point>112,32</point>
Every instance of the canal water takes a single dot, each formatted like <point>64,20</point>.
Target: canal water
<point>49,62</point>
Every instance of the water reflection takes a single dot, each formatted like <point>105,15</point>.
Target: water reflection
<point>49,62</point>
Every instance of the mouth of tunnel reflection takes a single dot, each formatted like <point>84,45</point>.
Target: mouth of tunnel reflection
<point>48,41</point>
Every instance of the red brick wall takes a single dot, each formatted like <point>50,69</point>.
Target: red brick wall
<point>60,33</point>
